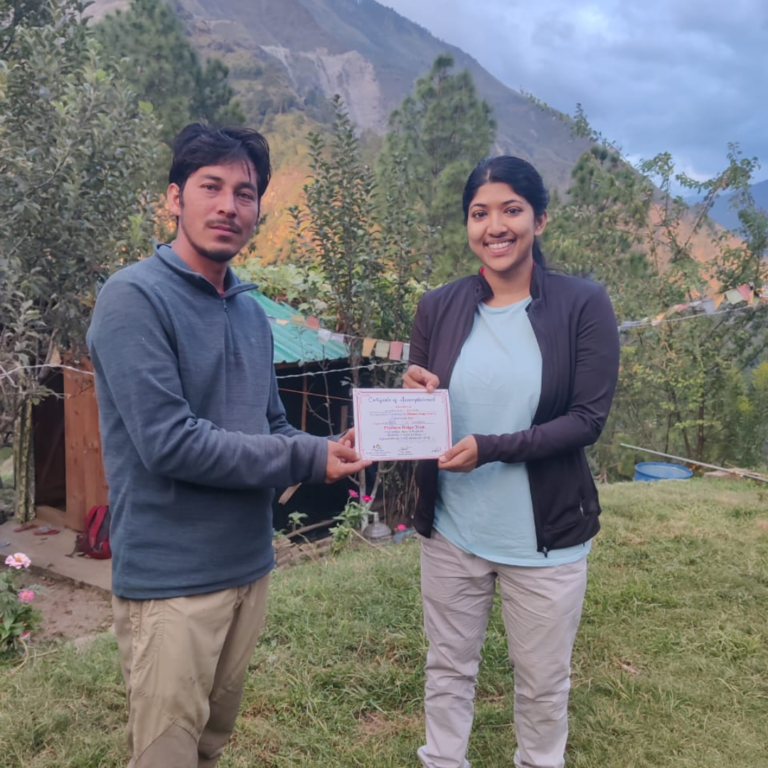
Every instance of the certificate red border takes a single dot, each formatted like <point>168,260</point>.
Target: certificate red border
<point>357,393</point>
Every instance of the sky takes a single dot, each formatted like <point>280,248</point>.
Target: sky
<point>679,76</point>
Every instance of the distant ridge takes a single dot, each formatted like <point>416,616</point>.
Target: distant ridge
<point>284,54</point>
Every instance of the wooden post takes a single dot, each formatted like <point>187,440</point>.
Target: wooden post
<point>344,418</point>
<point>86,485</point>
<point>24,464</point>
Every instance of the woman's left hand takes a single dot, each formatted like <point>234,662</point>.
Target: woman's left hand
<point>461,458</point>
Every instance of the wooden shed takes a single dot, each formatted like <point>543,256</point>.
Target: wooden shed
<point>69,474</point>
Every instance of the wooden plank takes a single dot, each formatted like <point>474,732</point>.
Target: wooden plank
<point>96,491</point>
<point>86,485</point>
<point>73,456</point>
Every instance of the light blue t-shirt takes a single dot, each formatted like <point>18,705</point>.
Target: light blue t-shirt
<point>495,389</point>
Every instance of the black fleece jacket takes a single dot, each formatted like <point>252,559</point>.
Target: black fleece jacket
<point>576,329</point>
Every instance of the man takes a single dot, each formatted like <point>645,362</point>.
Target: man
<point>194,440</point>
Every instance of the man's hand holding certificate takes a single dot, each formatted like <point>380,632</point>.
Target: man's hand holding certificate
<point>396,424</point>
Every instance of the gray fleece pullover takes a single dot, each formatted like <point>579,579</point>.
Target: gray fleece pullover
<point>194,435</point>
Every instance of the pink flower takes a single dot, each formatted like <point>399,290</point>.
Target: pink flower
<point>401,527</point>
<point>354,494</point>
<point>367,499</point>
<point>18,561</point>
<point>26,596</point>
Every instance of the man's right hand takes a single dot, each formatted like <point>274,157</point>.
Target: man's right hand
<point>342,461</point>
<point>417,377</point>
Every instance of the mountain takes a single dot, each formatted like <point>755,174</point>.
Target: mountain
<point>724,212</point>
<point>288,55</point>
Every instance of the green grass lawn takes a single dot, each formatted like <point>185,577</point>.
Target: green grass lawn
<point>670,668</point>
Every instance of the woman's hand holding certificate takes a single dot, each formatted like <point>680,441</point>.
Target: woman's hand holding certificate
<point>417,377</point>
<point>462,457</point>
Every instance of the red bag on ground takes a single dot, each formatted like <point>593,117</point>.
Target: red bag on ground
<point>94,540</point>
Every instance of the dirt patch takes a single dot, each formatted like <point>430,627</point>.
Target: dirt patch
<point>762,524</point>
<point>377,724</point>
<point>69,610</point>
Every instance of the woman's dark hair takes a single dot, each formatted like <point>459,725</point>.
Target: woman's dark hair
<point>197,145</point>
<point>516,173</point>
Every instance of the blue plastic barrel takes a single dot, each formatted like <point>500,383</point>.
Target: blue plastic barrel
<point>648,471</point>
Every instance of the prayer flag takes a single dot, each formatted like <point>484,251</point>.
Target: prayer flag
<point>746,293</point>
<point>395,350</point>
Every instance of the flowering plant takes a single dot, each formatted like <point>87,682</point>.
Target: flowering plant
<point>17,615</point>
<point>355,495</point>
<point>355,513</point>
<point>352,518</point>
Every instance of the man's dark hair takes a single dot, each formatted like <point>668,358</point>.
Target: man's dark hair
<point>198,145</point>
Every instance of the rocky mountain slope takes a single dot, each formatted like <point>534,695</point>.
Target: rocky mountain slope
<point>286,55</point>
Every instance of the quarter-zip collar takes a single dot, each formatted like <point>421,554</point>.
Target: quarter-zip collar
<point>233,284</point>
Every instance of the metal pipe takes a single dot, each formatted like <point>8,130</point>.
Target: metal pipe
<point>737,472</point>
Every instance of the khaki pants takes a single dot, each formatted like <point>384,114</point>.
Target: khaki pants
<point>184,661</point>
<point>541,609</point>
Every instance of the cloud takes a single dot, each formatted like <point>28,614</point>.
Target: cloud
<point>684,76</point>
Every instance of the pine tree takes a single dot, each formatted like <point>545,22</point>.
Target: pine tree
<point>166,71</point>
<point>438,134</point>
<point>356,237</point>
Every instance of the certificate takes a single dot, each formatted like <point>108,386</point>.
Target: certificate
<point>396,424</point>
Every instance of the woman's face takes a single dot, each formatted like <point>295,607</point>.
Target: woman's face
<point>501,228</point>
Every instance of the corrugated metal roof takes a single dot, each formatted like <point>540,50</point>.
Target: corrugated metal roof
<point>293,343</point>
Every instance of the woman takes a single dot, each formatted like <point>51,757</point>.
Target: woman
<point>530,358</point>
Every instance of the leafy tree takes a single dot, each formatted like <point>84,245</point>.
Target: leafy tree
<point>165,70</point>
<point>744,435</point>
<point>357,237</point>
<point>684,378</point>
<point>436,136</point>
<point>286,281</point>
<point>77,150</point>
<point>14,13</point>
